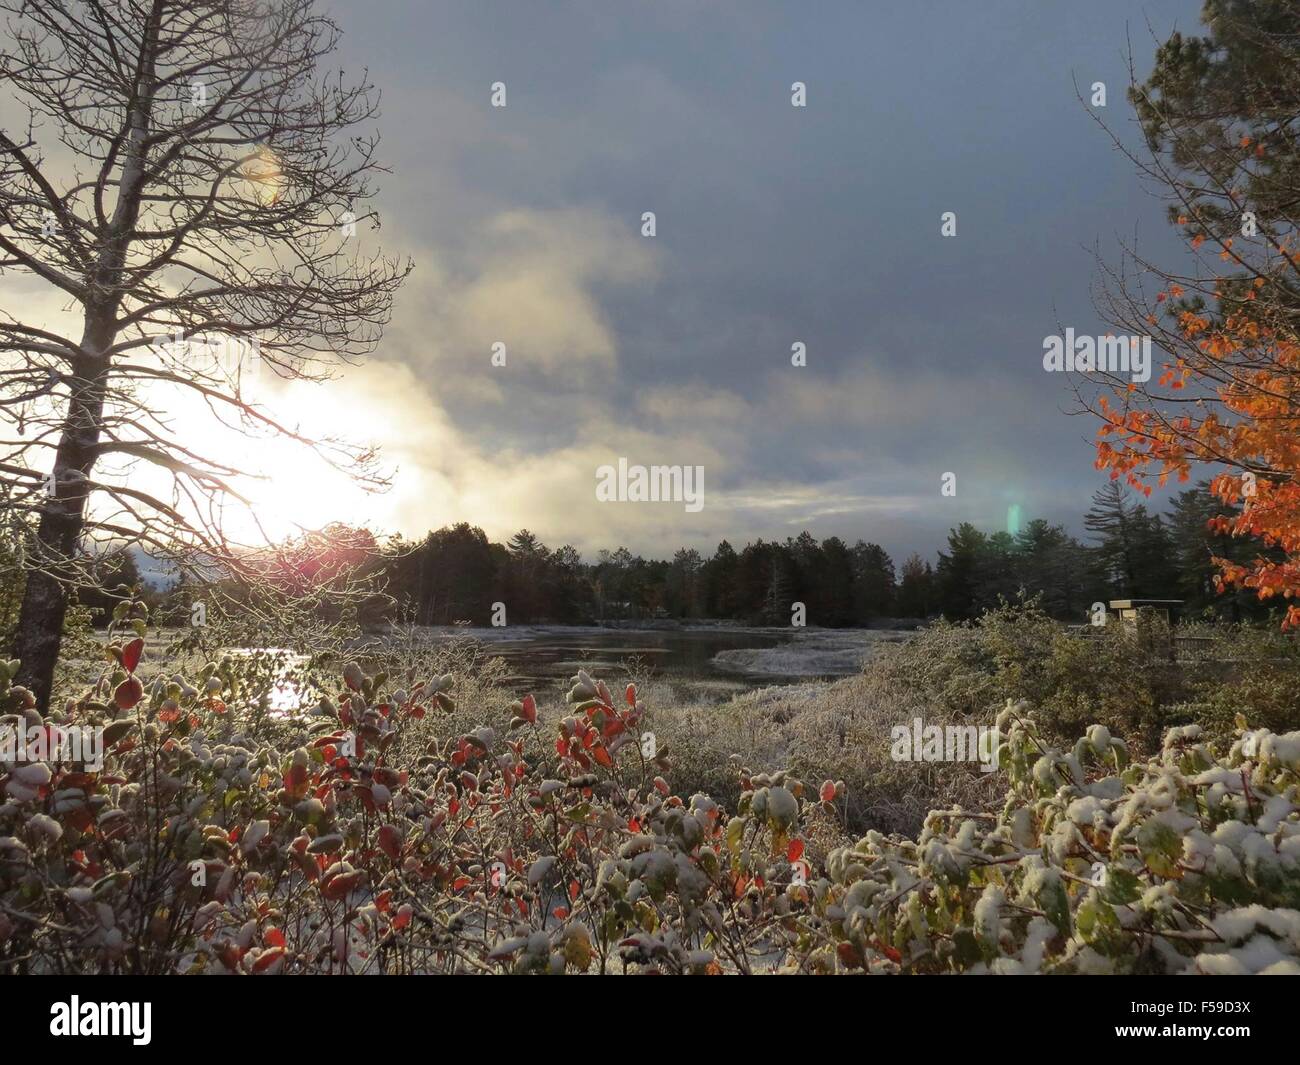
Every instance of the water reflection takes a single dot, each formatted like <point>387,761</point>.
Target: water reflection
<point>542,658</point>
<point>285,697</point>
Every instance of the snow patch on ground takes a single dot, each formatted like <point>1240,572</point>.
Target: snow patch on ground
<point>785,696</point>
<point>815,653</point>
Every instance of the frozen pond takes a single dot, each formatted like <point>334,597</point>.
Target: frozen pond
<point>710,661</point>
<point>544,656</point>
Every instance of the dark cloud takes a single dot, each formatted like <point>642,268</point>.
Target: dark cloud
<point>775,225</point>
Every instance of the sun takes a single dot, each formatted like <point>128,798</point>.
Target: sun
<point>279,486</point>
<point>265,173</point>
<point>291,486</point>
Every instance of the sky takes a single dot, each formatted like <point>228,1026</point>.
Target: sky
<point>775,225</point>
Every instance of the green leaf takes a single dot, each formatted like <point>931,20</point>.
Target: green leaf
<point>1096,922</point>
<point>1160,847</point>
<point>1056,905</point>
<point>1121,886</point>
<point>735,831</point>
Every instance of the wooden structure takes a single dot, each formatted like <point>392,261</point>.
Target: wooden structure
<point>1152,619</point>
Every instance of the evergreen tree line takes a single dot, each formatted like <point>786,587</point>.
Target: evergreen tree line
<point>457,574</point>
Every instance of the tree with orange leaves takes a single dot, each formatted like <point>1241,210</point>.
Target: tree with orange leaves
<point>1221,114</point>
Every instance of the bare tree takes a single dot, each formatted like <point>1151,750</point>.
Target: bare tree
<point>190,181</point>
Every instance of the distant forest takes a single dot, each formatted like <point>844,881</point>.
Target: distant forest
<point>457,574</point>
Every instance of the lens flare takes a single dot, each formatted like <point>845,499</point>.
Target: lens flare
<point>264,172</point>
<point>1013,519</point>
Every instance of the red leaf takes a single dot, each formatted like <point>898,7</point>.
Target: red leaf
<point>268,958</point>
<point>574,888</point>
<point>131,654</point>
<point>889,952</point>
<point>602,756</point>
<point>339,885</point>
<point>560,912</point>
<point>128,693</point>
<point>795,851</point>
<point>828,791</point>
<point>274,937</point>
<point>390,841</point>
<point>81,819</point>
<point>850,956</point>
<point>530,709</point>
<point>295,781</point>
<point>630,695</point>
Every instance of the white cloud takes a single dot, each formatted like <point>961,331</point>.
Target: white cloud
<point>524,278</point>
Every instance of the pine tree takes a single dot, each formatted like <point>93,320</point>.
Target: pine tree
<point>958,571</point>
<point>720,581</point>
<point>873,582</point>
<point>1111,521</point>
<point>916,593</point>
<point>835,596</point>
<point>780,590</point>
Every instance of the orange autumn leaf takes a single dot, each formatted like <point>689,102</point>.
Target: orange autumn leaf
<point>1245,370</point>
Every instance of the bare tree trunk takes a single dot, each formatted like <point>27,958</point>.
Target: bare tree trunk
<point>211,192</point>
<point>45,603</point>
<point>63,518</point>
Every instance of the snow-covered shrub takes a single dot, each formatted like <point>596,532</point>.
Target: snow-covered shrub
<point>366,842</point>
<point>840,730</point>
<point>1077,678</point>
<point>366,837</point>
<point>1187,863</point>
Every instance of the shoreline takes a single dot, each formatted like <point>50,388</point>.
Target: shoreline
<point>804,653</point>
